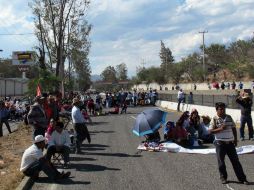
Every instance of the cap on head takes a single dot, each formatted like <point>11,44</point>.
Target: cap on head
<point>39,138</point>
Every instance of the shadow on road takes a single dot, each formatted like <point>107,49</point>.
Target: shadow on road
<point>95,145</point>
<point>68,181</point>
<point>114,154</point>
<point>98,123</point>
<point>91,132</point>
<point>92,148</point>
<point>92,167</point>
<point>81,159</point>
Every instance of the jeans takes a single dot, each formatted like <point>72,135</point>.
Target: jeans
<point>42,165</point>
<point>179,103</point>
<point>246,119</point>
<point>222,150</point>
<point>7,126</point>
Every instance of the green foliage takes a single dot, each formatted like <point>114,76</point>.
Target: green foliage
<point>167,60</point>
<point>238,57</point>
<point>109,74</point>
<point>121,71</point>
<point>149,75</point>
<point>48,81</point>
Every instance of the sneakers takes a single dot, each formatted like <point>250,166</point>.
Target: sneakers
<point>224,181</point>
<point>242,139</point>
<point>245,182</point>
<point>251,139</point>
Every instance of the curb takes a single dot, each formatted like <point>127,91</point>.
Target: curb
<point>25,184</point>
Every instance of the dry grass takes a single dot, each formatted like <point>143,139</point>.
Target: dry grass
<point>12,147</point>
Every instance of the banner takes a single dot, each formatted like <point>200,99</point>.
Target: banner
<point>173,147</point>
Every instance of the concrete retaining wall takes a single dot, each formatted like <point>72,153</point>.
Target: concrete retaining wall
<point>202,110</point>
<point>13,87</point>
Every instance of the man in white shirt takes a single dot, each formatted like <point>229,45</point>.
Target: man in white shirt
<point>180,98</point>
<point>79,125</point>
<point>33,162</point>
<point>59,143</point>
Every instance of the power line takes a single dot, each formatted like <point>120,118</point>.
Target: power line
<point>21,34</point>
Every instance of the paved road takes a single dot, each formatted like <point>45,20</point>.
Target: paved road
<point>111,162</point>
<point>13,125</point>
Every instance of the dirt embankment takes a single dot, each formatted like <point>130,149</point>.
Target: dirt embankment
<point>12,147</point>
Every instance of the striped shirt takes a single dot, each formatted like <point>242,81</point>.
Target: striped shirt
<point>226,134</point>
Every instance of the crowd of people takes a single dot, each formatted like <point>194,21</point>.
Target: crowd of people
<point>46,115</point>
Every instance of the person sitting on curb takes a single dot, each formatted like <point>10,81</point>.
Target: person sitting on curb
<point>33,162</point>
<point>59,143</point>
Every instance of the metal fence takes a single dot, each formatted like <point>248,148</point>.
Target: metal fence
<point>204,99</point>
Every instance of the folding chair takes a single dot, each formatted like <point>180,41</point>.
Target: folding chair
<point>58,159</point>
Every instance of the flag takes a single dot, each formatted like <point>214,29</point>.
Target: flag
<point>38,90</point>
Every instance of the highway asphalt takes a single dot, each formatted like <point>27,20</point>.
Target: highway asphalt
<point>112,162</point>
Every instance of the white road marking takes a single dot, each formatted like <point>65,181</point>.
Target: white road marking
<point>133,117</point>
<point>53,187</point>
<point>229,187</point>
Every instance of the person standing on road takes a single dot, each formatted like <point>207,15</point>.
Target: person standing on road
<point>4,115</point>
<point>245,103</point>
<point>223,127</point>
<point>180,98</point>
<point>79,125</point>
<point>37,117</point>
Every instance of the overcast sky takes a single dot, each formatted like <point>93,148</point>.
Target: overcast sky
<point>129,31</point>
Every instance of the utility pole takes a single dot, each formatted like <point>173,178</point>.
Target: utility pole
<point>203,33</point>
<point>143,63</point>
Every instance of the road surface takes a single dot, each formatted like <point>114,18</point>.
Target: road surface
<point>112,162</point>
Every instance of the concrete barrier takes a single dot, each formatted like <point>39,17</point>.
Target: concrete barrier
<point>202,110</point>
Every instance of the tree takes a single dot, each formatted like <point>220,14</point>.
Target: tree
<point>238,57</point>
<point>109,74</point>
<point>192,67</point>
<point>176,73</point>
<point>216,57</point>
<point>166,60</point>
<point>55,20</point>
<point>121,71</point>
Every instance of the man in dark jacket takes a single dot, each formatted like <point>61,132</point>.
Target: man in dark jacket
<point>245,103</point>
<point>37,117</point>
<point>4,115</point>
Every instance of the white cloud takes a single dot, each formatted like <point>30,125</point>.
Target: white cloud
<point>130,31</point>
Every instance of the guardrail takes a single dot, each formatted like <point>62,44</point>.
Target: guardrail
<point>203,99</point>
